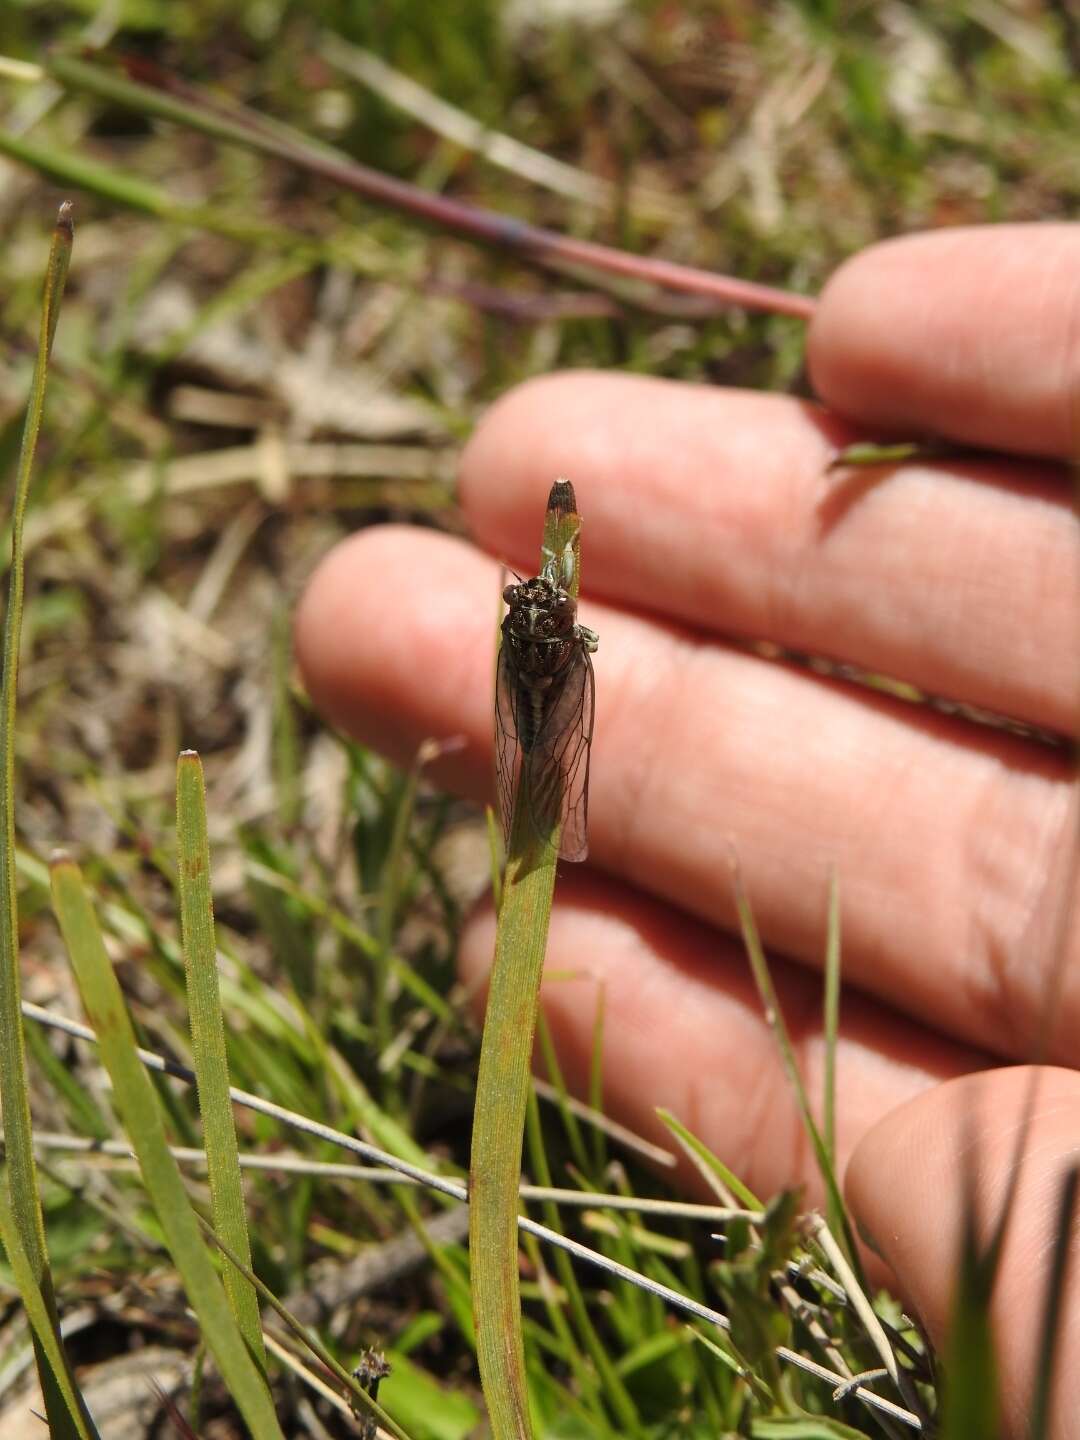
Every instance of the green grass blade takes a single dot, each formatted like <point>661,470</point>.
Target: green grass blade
<point>285,730</point>
<point>307,1337</point>
<point>742,1193</point>
<point>970,1405</point>
<point>763,979</point>
<point>69,1087</point>
<point>832,1030</point>
<point>502,1087</point>
<point>14,1090</point>
<point>390,890</point>
<point>137,1106</point>
<point>43,1321</point>
<point>208,1042</point>
<point>13,1084</point>
<point>68,167</point>
<point>1052,1323</point>
<point>589,1341</point>
<point>112,86</point>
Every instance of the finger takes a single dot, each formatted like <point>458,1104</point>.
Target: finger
<point>716,508</point>
<point>972,334</point>
<point>907,1184</point>
<point>683,1029</point>
<point>954,847</point>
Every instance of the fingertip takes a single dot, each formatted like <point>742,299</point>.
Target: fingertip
<point>533,433</point>
<point>353,580</point>
<point>391,636</point>
<point>912,1175</point>
<point>971,334</point>
<point>317,620</point>
<point>850,370</point>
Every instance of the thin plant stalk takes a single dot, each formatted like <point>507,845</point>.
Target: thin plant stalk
<point>831,1017</point>
<point>586,1335</point>
<point>774,1016</point>
<point>390,890</point>
<point>502,1087</point>
<point>46,1332</point>
<point>171,98</point>
<point>1051,1334</point>
<point>361,1400</point>
<point>21,1172</point>
<point>199,940</point>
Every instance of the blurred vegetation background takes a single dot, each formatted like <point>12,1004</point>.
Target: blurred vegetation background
<point>234,390</point>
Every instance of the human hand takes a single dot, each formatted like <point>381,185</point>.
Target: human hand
<point>708,513</point>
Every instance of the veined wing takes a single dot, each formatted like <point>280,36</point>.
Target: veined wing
<point>555,768</point>
<point>507,737</point>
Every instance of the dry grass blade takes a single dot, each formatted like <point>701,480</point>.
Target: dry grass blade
<point>21,1173</point>
<point>116,1154</point>
<point>461,129</point>
<point>603,1124</point>
<point>208,1041</point>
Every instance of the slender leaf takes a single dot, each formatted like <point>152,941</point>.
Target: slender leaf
<point>831,1009</point>
<point>208,1042</point>
<point>391,883</point>
<point>561,1095</point>
<point>285,730</point>
<point>21,1171</point>
<point>306,1337</point>
<point>43,1321</point>
<point>763,978</point>
<point>1052,1322</point>
<point>588,1338</point>
<point>138,1109</point>
<point>970,1405</point>
<point>502,1087</point>
<point>742,1192</point>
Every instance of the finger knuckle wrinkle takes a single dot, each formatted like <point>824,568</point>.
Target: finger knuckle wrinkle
<point>1020,828</point>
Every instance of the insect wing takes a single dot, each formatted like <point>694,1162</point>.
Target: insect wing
<point>555,776</point>
<point>507,743</point>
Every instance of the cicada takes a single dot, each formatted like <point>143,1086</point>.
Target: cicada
<point>544,698</point>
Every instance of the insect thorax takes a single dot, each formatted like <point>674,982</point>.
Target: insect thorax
<point>539,630</point>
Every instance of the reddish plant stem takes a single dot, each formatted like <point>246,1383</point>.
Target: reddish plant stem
<point>490,226</point>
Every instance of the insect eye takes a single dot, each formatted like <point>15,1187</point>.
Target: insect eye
<point>508,594</point>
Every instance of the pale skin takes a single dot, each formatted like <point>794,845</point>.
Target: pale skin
<point>710,512</point>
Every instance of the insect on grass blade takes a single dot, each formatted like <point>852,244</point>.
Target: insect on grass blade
<point>544,696</point>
